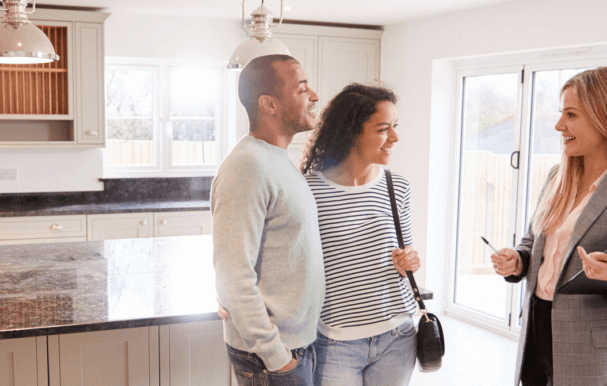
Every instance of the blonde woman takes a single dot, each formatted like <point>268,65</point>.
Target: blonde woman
<point>563,338</point>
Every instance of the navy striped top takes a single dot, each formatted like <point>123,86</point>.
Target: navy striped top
<point>365,294</point>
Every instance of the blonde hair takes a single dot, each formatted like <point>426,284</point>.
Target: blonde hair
<point>590,88</point>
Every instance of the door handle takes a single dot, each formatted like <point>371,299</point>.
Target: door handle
<point>518,159</point>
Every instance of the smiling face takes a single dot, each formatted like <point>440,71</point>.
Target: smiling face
<point>297,100</point>
<point>580,137</point>
<point>376,142</point>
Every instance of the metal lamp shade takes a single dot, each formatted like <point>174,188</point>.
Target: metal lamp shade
<point>253,48</point>
<point>25,44</point>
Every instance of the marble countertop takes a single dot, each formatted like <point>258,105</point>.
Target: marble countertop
<point>50,209</point>
<point>61,288</point>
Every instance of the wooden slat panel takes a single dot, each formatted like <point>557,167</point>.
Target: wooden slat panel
<point>37,88</point>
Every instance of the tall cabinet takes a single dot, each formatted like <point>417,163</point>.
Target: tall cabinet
<point>59,104</point>
<point>332,58</point>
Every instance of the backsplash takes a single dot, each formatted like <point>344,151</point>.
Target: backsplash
<point>121,190</point>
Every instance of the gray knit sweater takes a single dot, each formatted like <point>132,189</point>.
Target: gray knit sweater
<point>267,252</point>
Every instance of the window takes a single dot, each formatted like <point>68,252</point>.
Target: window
<point>163,118</point>
<point>506,146</point>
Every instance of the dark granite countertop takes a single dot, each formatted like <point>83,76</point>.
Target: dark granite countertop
<point>61,288</point>
<point>51,208</point>
<point>119,195</point>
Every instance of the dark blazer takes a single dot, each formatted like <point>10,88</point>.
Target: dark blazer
<point>579,322</point>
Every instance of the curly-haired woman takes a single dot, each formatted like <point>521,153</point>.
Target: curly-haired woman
<point>366,335</point>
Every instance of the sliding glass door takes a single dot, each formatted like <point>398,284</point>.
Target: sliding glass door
<point>507,145</point>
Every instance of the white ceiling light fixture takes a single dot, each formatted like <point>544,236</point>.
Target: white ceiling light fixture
<point>260,41</point>
<point>21,42</point>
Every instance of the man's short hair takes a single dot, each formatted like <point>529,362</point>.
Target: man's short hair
<point>259,78</point>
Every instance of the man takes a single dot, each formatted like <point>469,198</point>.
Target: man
<point>267,251</point>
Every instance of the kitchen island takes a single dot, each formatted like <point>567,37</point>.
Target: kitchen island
<point>119,312</point>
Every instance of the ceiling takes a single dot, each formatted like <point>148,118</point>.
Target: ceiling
<point>373,12</point>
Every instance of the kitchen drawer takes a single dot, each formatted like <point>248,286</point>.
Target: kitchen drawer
<point>182,223</point>
<point>120,226</point>
<point>42,227</point>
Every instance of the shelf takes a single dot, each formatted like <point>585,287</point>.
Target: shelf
<point>37,89</point>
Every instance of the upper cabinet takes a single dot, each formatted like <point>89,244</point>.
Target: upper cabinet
<point>58,104</point>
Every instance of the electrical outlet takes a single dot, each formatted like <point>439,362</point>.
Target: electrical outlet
<point>8,174</point>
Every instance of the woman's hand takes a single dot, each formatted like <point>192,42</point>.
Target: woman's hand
<point>406,260</point>
<point>595,264</point>
<point>507,263</point>
<point>223,313</point>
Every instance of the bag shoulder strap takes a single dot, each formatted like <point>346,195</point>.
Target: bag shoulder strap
<point>399,235</point>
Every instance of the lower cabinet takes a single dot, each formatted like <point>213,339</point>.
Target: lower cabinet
<point>182,223</point>
<point>196,355</point>
<point>115,357</point>
<point>23,362</point>
<point>119,226</point>
<point>169,355</point>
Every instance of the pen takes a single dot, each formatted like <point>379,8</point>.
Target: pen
<point>490,246</point>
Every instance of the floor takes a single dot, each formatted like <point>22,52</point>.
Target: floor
<point>473,357</point>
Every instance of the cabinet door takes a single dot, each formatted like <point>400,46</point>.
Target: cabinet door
<point>89,123</point>
<point>119,226</point>
<point>18,362</point>
<point>198,355</point>
<point>343,61</point>
<point>182,223</point>
<point>116,357</point>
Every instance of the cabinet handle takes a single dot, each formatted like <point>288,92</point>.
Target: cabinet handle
<point>57,227</point>
<point>144,222</point>
<point>164,222</point>
<point>90,132</point>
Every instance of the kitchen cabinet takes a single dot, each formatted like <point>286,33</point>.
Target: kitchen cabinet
<point>196,354</point>
<point>119,226</point>
<point>182,223</point>
<point>41,229</point>
<point>60,104</point>
<point>332,57</point>
<point>113,357</point>
<point>23,362</point>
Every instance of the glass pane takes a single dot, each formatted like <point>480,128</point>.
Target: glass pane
<point>129,93</point>
<point>545,140</point>
<point>194,141</point>
<point>486,190</point>
<point>129,116</point>
<point>129,141</point>
<point>194,92</point>
<point>195,96</point>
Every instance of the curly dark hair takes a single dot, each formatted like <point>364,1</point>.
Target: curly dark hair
<point>341,122</point>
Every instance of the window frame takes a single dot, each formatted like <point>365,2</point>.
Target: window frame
<point>531,61</point>
<point>162,165</point>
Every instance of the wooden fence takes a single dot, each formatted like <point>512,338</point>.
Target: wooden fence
<point>485,206</point>
<point>122,152</point>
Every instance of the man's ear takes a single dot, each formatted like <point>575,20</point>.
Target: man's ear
<point>268,104</point>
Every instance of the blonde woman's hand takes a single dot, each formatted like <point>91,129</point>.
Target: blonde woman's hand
<point>406,260</point>
<point>507,263</point>
<point>595,264</point>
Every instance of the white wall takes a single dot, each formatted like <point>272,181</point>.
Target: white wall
<point>149,36</point>
<point>410,63</point>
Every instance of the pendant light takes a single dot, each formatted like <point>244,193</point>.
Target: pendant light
<point>260,41</point>
<point>21,42</point>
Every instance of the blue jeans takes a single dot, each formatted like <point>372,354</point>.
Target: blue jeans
<point>250,370</point>
<point>387,359</point>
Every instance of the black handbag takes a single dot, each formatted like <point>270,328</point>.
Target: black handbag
<point>430,337</point>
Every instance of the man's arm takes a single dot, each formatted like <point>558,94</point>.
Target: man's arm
<point>239,204</point>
